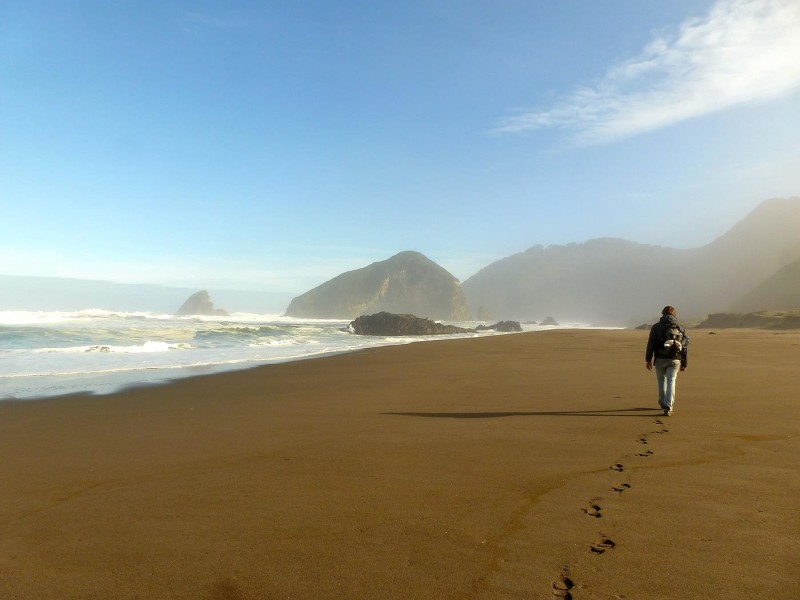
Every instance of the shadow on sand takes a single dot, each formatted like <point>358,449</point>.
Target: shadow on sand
<point>613,412</point>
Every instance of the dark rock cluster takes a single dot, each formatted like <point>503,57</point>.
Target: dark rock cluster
<point>390,324</point>
<point>384,323</point>
<point>504,326</point>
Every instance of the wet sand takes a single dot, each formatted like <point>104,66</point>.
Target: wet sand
<point>522,466</point>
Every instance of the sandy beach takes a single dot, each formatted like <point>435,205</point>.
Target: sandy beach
<point>531,465</point>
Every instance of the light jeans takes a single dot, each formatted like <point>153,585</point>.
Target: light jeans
<point>666,374</point>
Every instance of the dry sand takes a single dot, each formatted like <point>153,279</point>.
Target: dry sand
<point>451,469</point>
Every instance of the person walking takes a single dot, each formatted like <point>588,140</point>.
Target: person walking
<point>667,351</point>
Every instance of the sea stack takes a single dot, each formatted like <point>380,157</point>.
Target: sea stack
<point>200,304</point>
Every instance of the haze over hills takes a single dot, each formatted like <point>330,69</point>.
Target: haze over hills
<point>753,266</point>
<point>408,282</point>
<point>779,292</point>
<point>751,252</point>
<point>615,281</point>
<point>599,280</point>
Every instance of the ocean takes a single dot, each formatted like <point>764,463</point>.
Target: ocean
<point>96,351</point>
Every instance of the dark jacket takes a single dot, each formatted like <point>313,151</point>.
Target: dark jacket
<point>654,348</point>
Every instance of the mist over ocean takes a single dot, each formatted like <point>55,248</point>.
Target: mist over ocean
<point>48,353</point>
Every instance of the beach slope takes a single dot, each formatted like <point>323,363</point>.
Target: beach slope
<point>531,465</point>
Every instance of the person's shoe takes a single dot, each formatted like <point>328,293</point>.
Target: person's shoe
<point>667,412</point>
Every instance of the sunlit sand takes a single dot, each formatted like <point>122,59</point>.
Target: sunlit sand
<point>519,466</point>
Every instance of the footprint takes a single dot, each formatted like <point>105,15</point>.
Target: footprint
<point>659,422</point>
<point>563,585</point>
<point>601,546</point>
<point>645,454</point>
<point>593,510</point>
<point>621,487</point>
<point>617,467</point>
<point>642,440</point>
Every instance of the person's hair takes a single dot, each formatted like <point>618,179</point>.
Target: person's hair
<point>668,310</point>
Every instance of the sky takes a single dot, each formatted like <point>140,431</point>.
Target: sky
<point>273,145</point>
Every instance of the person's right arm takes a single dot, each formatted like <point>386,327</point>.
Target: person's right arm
<point>649,351</point>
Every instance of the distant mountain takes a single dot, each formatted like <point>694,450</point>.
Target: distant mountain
<point>616,281</point>
<point>752,251</point>
<point>601,280</point>
<point>781,291</point>
<point>408,282</point>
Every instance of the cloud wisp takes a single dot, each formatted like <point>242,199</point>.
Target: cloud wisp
<point>742,51</point>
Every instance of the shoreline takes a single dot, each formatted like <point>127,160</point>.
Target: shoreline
<point>191,372</point>
<point>108,381</point>
<point>466,468</point>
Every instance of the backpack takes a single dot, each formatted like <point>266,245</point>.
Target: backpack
<point>671,341</point>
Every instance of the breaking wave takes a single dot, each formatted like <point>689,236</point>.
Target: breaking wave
<point>135,349</point>
<point>46,353</point>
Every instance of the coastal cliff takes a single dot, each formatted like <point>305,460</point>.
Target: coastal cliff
<point>408,282</point>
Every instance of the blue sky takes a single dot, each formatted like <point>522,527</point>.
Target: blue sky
<point>273,145</point>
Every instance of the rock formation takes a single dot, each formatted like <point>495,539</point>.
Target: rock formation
<point>549,321</point>
<point>503,326</point>
<point>200,304</point>
<point>407,283</point>
<point>388,324</point>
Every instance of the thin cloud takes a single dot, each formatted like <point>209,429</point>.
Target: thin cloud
<point>742,51</point>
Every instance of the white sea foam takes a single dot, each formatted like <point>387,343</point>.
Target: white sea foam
<point>44,353</point>
<point>135,349</point>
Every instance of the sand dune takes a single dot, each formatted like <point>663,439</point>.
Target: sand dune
<point>523,466</point>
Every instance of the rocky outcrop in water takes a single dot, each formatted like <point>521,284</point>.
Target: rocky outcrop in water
<point>389,324</point>
<point>201,304</point>
<point>503,326</point>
